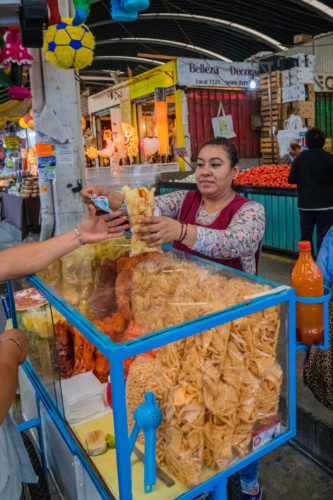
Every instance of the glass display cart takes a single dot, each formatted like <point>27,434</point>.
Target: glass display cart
<point>215,346</point>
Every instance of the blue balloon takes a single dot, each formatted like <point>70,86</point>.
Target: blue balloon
<point>134,5</point>
<point>121,15</point>
<point>80,16</point>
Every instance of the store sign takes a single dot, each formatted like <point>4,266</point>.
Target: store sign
<point>323,82</point>
<point>210,73</point>
<point>11,142</point>
<point>181,152</point>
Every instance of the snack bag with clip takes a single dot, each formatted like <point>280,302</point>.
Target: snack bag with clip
<point>140,203</point>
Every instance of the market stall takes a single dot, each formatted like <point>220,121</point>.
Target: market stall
<point>22,212</point>
<point>156,323</point>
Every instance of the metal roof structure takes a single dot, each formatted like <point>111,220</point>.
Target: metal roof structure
<point>212,29</point>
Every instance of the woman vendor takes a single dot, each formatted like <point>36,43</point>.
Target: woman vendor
<point>213,222</point>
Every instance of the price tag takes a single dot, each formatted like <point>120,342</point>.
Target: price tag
<point>11,142</point>
<point>263,435</point>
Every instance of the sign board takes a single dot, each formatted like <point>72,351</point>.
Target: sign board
<point>323,82</point>
<point>180,152</point>
<point>44,149</point>
<point>11,142</point>
<point>46,167</point>
<point>294,93</point>
<point>211,73</point>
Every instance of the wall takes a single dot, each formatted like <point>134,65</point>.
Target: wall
<point>107,99</point>
<point>161,76</point>
<point>203,106</point>
<point>321,46</point>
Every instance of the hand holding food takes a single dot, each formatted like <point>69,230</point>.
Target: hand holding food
<point>158,230</point>
<point>140,204</point>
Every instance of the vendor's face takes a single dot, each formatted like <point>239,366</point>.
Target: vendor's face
<point>214,173</point>
<point>295,151</point>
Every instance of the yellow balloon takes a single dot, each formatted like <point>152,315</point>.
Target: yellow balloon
<point>22,123</point>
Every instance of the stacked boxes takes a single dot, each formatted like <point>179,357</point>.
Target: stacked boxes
<point>266,130</point>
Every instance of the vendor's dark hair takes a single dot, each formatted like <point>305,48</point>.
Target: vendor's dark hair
<point>315,138</point>
<point>227,145</point>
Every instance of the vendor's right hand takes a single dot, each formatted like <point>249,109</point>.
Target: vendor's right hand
<point>93,191</point>
<point>15,351</point>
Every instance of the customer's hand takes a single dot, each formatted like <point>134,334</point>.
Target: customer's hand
<point>19,352</point>
<point>95,228</point>
<point>156,230</point>
<point>94,191</point>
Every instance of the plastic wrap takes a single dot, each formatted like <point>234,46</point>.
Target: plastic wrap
<point>140,203</point>
<point>213,387</point>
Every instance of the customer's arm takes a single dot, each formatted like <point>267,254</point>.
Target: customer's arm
<point>294,172</point>
<point>31,257</point>
<point>13,351</point>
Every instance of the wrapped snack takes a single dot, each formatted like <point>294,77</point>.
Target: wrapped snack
<point>84,354</point>
<point>65,348</point>
<point>140,203</point>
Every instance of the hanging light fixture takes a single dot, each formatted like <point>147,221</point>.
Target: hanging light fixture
<point>161,118</point>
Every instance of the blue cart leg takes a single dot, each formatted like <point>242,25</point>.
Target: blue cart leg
<point>220,490</point>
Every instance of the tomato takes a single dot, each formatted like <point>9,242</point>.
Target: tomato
<point>265,175</point>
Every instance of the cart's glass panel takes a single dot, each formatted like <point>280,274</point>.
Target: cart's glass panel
<point>127,297</point>
<point>36,318</point>
<point>223,394</point>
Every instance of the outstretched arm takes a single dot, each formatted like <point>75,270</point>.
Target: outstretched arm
<point>29,258</point>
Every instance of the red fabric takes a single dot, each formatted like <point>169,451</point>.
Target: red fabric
<point>203,105</point>
<point>188,214</point>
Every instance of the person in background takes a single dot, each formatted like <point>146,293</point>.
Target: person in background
<point>312,171</point>
<point>15,262</point>
<point>214,223</point>
<point>294,151</point>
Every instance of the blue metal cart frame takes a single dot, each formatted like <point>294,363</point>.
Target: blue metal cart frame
<point>116,353</point>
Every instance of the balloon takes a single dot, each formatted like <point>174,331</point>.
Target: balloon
<point>108,150</point>
<point>92,153</point>
<point>22,123</point>
<point>149,145</point>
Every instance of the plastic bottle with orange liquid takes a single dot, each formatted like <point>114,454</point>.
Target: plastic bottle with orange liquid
<point>307,279</point>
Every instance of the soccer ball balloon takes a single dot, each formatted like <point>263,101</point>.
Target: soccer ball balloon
<point>69,47</point>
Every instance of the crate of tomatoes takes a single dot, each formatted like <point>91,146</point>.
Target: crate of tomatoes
<point>265,175</point>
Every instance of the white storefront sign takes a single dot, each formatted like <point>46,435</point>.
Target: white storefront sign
<point>107,99</point>
<point>211,73</point>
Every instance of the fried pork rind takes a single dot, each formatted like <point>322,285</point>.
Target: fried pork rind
<point>140,203</point>
<point>212,387</point>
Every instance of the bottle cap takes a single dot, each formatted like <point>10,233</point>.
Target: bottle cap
<point>304,245</point>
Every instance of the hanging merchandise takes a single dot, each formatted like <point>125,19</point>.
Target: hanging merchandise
<point>83,123</point>
<point>131,140</point>
<point>149,145</point>
<point>22,123</point>
<point>82,10</point>
<point>92,153</point>
<point>54,14</point>
<point>16,60</point>
<point>127,10</point>
<point>222,124</point>
<point>161,118</point>
<point>108,150</point>
<point>69,47</point>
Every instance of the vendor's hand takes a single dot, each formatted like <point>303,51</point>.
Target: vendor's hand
<point>156,230</point>
<point>16,353</point>
<point>93,191</point>
<point>95,228</point>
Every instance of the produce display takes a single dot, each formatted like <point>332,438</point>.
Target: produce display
<point>213,388</point>
<point>265,175</point>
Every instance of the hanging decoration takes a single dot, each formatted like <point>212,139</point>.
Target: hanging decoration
<point>83,123</point>
<point>92,153</point>
<point>15,60</point>
<point>149,145</point>
<point>161,118</point>
<point>127,10</point>
<point>54,14</point>
<point>22,123</point>
<point>69,47</point>
<point>108,150</point>
<point>82,10</point>
<point>131,140</point>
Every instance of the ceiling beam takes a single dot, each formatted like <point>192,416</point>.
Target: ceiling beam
<point>170,43</point>
<point>204,19</point>
<point>127,58</point>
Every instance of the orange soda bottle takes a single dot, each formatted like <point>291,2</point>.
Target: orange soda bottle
<point>307,279</point>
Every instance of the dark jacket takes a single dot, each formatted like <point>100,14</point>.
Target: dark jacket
<point>312,171</point>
